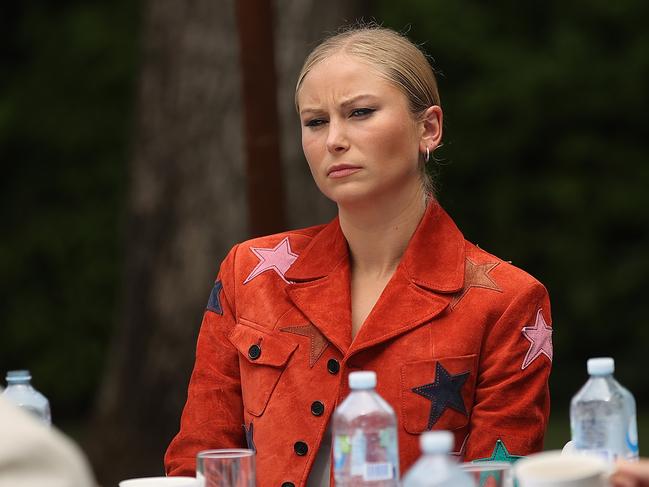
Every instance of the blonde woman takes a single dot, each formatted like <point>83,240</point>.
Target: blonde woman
<point>460,340</point>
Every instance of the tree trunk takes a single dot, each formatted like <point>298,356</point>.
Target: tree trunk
<point>188,207</point>
<point>259,99</point>
<point>299,25</point>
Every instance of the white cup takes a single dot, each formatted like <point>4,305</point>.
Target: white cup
<point>159,482</point>
<point>553,469</point>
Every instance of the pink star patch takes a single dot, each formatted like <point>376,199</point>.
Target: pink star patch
<point>278,259</point>
<point>540,337</point>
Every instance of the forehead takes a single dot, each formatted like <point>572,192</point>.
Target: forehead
<point>342,76</point>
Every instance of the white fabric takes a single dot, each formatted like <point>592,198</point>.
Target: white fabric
<point>33,455</point>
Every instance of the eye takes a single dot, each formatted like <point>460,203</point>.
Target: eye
<point>315,122</point>
<point>361,112</point>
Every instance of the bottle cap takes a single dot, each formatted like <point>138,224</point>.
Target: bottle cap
<point>365,379</point>
<point>18,376</point>
<point>436,442</point>
<point>600,366</point>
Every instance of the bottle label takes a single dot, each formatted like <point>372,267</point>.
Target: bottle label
<point>610,439</point>
<point>377,471</point>
<point>632,438</point>
<point>342,448</point>
<point>371,456</point>
<point>358,453</point>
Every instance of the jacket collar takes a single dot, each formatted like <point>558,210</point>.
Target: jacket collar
<point>434,258</point>
<point>435,255</point>
<point>320,280</point>
<point>433,261</point>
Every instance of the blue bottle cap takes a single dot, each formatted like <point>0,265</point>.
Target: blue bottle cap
<point>600,366</point>
<point>439,441</point>
<point>364,379</point>
<point>18,375</point>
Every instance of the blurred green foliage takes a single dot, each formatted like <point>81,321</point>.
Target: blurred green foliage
<point>66,96</point>
<point>544,163</point>
<point>545,158</point>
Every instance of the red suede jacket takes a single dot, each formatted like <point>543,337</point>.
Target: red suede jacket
<point>460,340</point>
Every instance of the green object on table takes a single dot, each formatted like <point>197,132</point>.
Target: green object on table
<point>499,454</point>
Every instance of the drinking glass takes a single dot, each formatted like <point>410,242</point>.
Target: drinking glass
<point>234,467</point>
<point>490,474</point>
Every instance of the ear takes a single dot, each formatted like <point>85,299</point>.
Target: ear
<point>431,129</point>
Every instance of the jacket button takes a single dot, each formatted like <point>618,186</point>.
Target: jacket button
<point>254,352</point>
<point>333,366</point>
<point>317,408</point>
<point>288,484</point>
<point>300,448</point>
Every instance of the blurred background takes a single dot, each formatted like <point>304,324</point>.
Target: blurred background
<point>140,140</point>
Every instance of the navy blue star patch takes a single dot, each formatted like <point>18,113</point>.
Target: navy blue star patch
<point>214,303</point>
<point>249,437</point>
<point>445,392</point>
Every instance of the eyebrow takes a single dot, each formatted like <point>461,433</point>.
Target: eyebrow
<point>344,104</point>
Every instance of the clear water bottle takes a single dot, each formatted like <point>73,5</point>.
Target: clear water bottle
<point>365,437</point>
<point>435,468</point>
<point>603,415</point>
<point>20,392</point>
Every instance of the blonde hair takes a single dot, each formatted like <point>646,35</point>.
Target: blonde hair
<point>394,56</point>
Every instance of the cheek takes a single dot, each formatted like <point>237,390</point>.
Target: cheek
<point>310,147</point>
<point>397,141</point>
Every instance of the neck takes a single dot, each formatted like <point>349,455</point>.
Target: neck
<point>378,234</point>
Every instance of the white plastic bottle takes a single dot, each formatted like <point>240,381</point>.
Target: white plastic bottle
<point>365,437</point>
<point>435,468</point>
<point>603,415</point>
<point>20,392</point>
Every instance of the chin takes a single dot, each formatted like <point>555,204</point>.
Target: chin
<point>351,195</point>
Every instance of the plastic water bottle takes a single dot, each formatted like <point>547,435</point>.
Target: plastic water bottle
<point>365,436</point>
<point>603,415</point>
<point>20,392</point>
<point>435,467</point>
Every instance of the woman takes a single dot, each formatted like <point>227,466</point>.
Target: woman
<point>460,339</point>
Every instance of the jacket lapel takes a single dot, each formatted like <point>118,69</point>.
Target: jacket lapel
<point>431,270</point>
<point>401,307</point>
<point>320,285</point>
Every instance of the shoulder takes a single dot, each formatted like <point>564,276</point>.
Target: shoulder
<point>292,241</point>
<point>273,252</point>
<point>297,239</point>
<point>511,280</point>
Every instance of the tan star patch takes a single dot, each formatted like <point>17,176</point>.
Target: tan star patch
<point>476,275</point>
<point>318,342</point>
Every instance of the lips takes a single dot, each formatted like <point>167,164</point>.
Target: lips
<point>342,170</point>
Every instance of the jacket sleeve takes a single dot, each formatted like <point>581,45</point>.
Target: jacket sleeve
<point>512,399</point>
<point>213,414</point>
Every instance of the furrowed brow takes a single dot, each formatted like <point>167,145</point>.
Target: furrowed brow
<point>356,99</point>
<point>310,111</point>
<point>343,105</point>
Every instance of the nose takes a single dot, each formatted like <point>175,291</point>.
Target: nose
<point>337,142</point>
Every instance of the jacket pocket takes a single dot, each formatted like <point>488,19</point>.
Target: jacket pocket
<point>438,393</point>
<point>262,359</point>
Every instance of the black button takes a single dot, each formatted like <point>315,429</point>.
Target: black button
<point>288,484</point>
<point>300,448</point>
<point>317,408</point>
<point>333,366</point>
<point>254,352</point>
